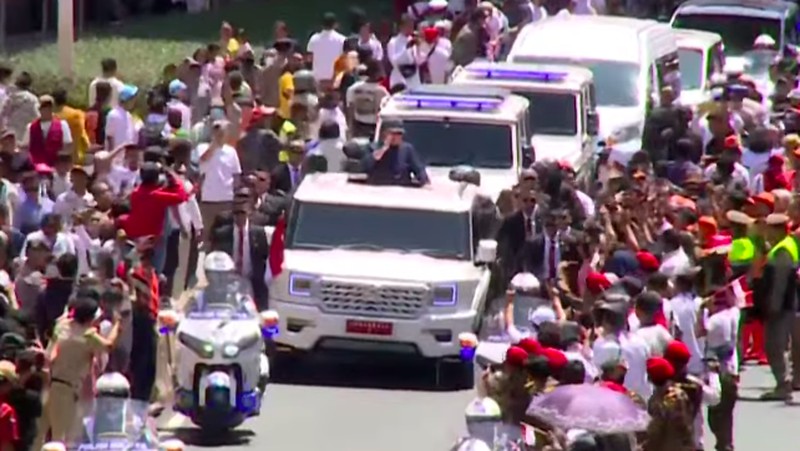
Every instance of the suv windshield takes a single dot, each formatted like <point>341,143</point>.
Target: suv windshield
<point>616,83</point>
<point>691,64</point>
<point>447,143</point>
<point>738,32</point>
<point>552,113</point>
<point>445,234</point>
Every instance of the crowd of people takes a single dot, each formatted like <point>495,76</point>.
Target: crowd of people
<point>659,282</point>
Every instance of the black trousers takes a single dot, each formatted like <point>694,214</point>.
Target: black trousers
<point>143,354</point>
<point>171,260</point>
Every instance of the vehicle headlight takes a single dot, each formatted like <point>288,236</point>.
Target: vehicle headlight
<point>200,347</point>
<point>444,294</point>
<point>300,284</point>
<point>230,351</point>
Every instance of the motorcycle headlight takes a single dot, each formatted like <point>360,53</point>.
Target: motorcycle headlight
<point>445,295</point>
<point>230,351</point>
<point>300,284</point>
<point>200,347</point>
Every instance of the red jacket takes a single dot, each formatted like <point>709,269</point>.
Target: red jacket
<point>149,205</point>
<point>276,247</point>
<point>44,149</point>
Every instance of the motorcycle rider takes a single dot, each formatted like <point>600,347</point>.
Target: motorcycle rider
<point>223,281</point>
<point>483,417</point>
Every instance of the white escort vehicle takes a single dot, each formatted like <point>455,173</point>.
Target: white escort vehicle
<point>701,55</point>
<point>386,269</point>
<point>563,117</point>
<point>632,60</point>
<point>450,126</point>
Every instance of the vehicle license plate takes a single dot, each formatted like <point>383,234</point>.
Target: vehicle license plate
<point>357,326</point>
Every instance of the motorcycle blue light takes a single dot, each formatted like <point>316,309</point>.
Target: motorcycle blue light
<point>467,354</point>
<point>164,330</point>
<point>269,332</point>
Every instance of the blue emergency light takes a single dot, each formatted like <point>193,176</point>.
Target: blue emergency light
<point>516,74</point>
<point>449,103</point>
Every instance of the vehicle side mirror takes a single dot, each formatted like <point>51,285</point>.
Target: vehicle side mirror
<point>592,123</point>
<point>528,155</point>
<point>487,252</point>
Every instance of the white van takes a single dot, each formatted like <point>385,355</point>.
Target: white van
<point>631,60</point>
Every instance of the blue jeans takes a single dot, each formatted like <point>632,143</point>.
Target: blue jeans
<point>160,251</point>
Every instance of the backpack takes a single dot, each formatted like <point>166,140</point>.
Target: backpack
<point>152,133</point>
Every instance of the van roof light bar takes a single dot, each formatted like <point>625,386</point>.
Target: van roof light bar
<point>517,74</point>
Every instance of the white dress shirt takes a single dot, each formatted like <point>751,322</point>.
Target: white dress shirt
<point>69,203</point>
<point>674,263</point>
<point>189,211</point>
<point>62,245</point>
<point>86,249</point>
<point>66,134</point>
<point>243,259</point>
<point>438,59</point>
<point>219,173</point>
<point>373,44</point>
<point>399,55</point>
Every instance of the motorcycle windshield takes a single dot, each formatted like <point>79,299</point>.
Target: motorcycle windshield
<point>226,296</point>
<point>498,331</point>
<point>116,424</point>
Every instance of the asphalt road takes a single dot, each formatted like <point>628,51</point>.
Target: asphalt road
<point>369,408</point>
<point>366,407</point>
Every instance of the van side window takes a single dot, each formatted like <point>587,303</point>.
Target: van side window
<point>669,73</point>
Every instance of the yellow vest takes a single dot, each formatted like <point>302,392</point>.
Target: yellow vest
<point>789,244</point>
<point>743,250</point>
<point>287,129</point>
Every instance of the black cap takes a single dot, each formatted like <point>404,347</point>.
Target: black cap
<point>649,301</point>
<point>570,333</point>
<point>393,125</point>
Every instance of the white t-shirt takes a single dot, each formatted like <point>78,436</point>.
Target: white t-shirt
<point>219,172</point>
<point>69,203</point>
<point>122,177</point>
<point>186,113</point>
<point>635,352</point>
<point>685,308</point>
<point>121,128</point>
<point>656,337</point>
<point>66,133</point>
<point>116,87</point>
<point>722,331</point>
<point>325,47</point>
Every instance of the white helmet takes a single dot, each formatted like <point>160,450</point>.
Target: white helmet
<point>764,41</point>
<point>525,282</point>
<point>483,408</point>
<point>113,384</point>
<point>218,262</point>
<point>474,444</point>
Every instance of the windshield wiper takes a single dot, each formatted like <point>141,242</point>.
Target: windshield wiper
<point>361,247</point>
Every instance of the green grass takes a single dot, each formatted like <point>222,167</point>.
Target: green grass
<point>144,46</point>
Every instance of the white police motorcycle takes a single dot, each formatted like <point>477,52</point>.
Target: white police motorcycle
<point>116,422</point>
<point>221,369</point>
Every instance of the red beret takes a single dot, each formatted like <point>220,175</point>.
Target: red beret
<point>732,142</point>
<point>531,346</point>
<point>430,34</point>
<point>659,370</point>
<point>556,359</point>
<point>677,354</point>
<point>597,282</point>
<point>647,261</point>
<point>516,356</point>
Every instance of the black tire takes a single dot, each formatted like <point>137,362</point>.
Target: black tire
<point>456,374</point>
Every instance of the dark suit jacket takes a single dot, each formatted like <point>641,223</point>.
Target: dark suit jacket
<point>396,167</point>
<point>282,178</point>
<point>222,239</point>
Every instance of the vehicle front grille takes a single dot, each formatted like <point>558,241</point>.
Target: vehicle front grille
<point>347,298</point>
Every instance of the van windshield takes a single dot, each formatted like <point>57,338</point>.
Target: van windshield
<point>552,113</point>
<point>738,32</point>
<point>616,83</point>
<point>447,143</point>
